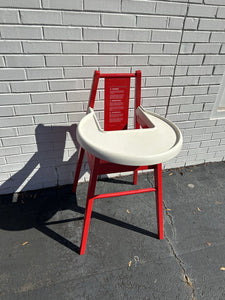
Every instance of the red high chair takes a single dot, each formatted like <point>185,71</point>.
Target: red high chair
<point>105,157</point>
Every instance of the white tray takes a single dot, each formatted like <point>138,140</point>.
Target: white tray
<point>136,147</point>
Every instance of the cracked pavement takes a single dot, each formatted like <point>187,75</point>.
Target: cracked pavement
<point>40,234</point>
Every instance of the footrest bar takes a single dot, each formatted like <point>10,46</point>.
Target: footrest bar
<point>124,193</point>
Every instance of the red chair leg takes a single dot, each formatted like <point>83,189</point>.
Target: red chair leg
<point>88,209</point>
<point>159,199</point>
<point>135,177</point>
<point>79,164</point>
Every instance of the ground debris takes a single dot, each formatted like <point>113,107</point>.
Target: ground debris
<point>25,243</point>
<point>191,185</point>
<point>218,202</point>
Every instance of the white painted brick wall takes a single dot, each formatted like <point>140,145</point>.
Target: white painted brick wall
<point>217,37</point>
<point>195,36</point>
<point>21,32</point>
<point>135,6</point>
<point>80,47</point>
<point>191,23</point>
<point>58,4</point>
<point>49,50</point>
<point>62,33</point>
<point>134,35</point>
<point>10,47</point>
<point>162,59</point>
<point>166,36</point>
<point>102,5</point>
<point>42,47</point>
<point>65,85</point>
<point>48,73</point>
<point>211,24</point>
<point>221,12</point>
<point>152,21</point>
<point>171,8</point>
<point>100,34</point>
<point>9,16</point>
<point>12,74</point>
<point>21,110</point>
<point>63,60</point>
<point>29,86</point>
<point>109,48</point>
<point>14,61</point>
<point>202,11</point>
<point>118,20</point>
<point>40,17</point>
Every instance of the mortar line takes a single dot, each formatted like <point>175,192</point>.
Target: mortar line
<point>177,56</point>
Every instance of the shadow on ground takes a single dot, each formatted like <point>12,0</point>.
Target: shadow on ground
<point>36,209</point>
<point>40,233</point>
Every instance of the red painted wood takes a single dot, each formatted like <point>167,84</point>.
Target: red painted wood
<point>117,75</point>
<point>89,204</point>
<point>94,89</point>
<point>135,177</point>
<point>159,199</point>
<point>106,167</point>
<point>137,103</point>
<point>137,97</point>
<point>124,193</point>
<point>117,88</point>
<point>117,92</point>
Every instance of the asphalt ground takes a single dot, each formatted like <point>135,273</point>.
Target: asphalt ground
<point>40,234</point>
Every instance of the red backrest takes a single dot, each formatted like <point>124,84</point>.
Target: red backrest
<point>117,94</point>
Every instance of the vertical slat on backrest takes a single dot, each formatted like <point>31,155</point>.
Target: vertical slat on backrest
<point>94,89</point>
<point>117,93</point>
<point>137,96</point>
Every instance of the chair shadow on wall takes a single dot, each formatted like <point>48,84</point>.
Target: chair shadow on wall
<point>23,210</point>
<point>35,209</point>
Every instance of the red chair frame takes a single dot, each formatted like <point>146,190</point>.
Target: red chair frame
<point>99,167</point>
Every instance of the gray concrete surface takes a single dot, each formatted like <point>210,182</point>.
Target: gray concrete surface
<point>40,234</point>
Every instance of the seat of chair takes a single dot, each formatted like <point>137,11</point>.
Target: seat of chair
<point>136,147</point>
